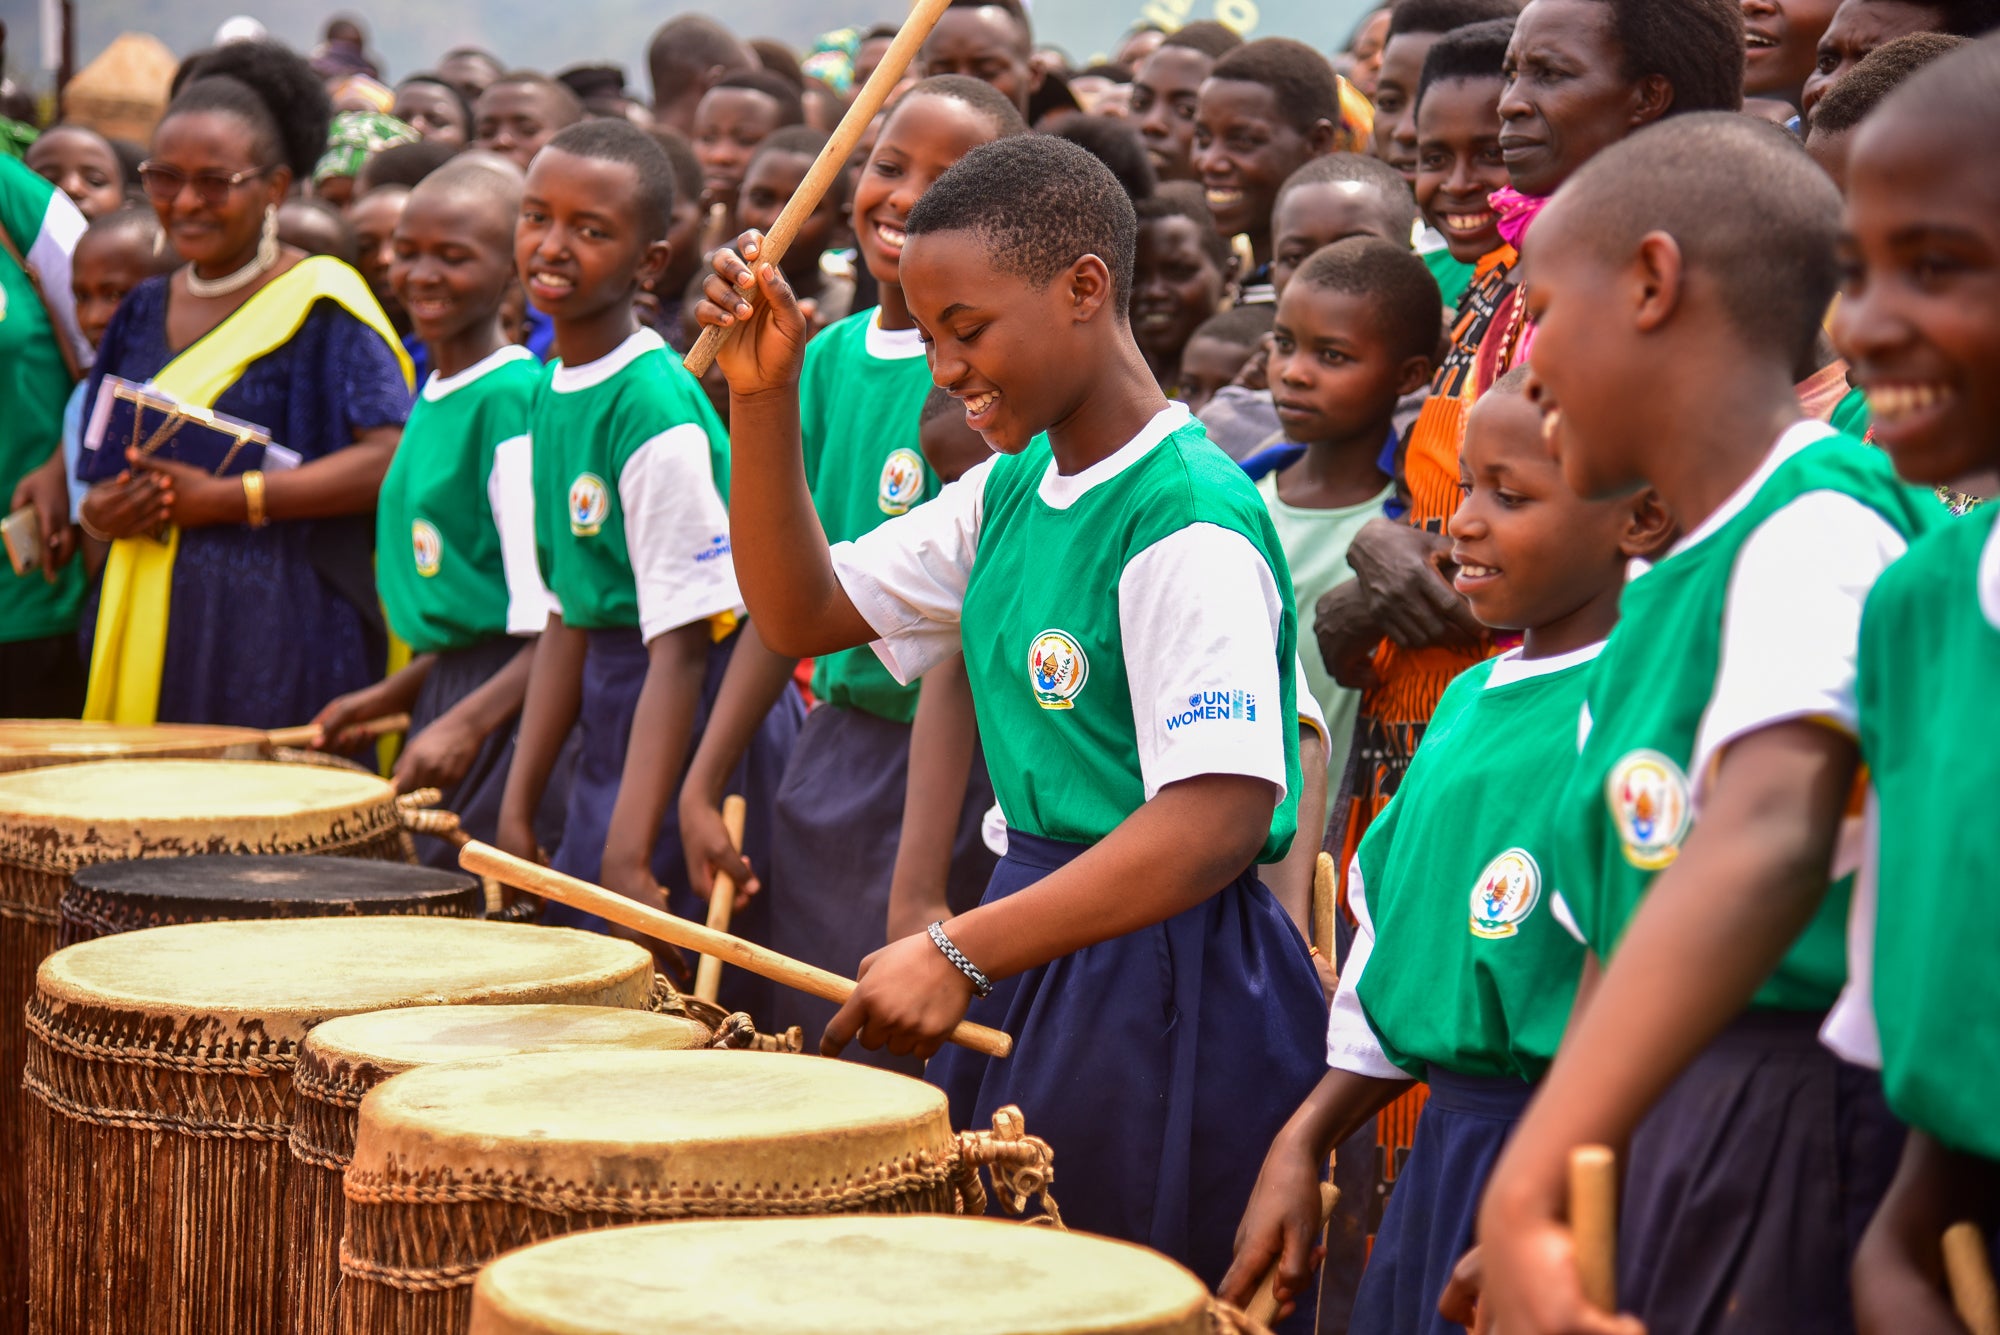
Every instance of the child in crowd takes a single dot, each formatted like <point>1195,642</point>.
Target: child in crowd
<point>1165,1009</point>
<point>373,218</point>
<point>1921,968</point>
<point>861,392</point>
<point>1182,270</point>
<point>455,523</point>
<point>521,111</point>
<point>660,306</point>
<point>1830,130</point>
<point>1269,107</point>
<point>632,537</point>
<point>434,108</point>
<point>1701,821</point>
<point>774,173</point>
<point>1471,1003</point>
<point>1218,350</point>
<point>1859,27</point>
<point>82,164</point>
<point>987,40</point>
<point>740,112</point>
<point>316,227</point>
<point>1165,90</point>
<point>1356,331</point>
<point>1116,145</point>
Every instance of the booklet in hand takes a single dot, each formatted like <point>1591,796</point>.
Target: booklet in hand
<point>132,416</point>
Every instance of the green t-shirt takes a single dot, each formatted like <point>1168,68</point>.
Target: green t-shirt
<point>1460,962</point>
<point>1315,543</point>
<point>34,384</point>
<point>456,503</point>
<point>1713,644</point>
<point>629,478</point>
<point>1930,716</point>
<point>860,399</point>
<point>1453,276</point>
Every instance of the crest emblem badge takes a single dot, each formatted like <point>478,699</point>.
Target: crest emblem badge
<point>427,545</point>
<point>1505,894</point>
<point>902,481</point>
<point>1651,808</point>
<point>1057,669</point>
<point>589,503</point>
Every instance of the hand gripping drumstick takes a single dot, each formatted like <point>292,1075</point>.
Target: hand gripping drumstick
<point>1593,1219</point>
<point>721,900</point>
<point>310,734</point>
<point>1969,1276</point>
<point>832,159</point>
<point>486,860</point>
<point>1263,1305</point>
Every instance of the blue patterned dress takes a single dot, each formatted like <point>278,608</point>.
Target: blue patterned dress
<point>267,625</point>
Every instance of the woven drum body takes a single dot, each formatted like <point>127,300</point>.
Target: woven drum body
<point>343,1059</point>
<point>30,743</point>
<point>56,820</point>
<point>160,1101</point>
<point>454,1165</point>
<point>846,1276</point>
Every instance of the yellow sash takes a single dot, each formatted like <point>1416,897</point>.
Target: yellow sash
<point>130,648</point>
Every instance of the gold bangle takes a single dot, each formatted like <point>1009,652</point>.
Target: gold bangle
<point>253,499</point>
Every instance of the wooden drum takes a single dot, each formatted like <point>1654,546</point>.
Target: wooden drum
<point>55,821</point>
<point>160,1094</point>
<point>343,1059</point>
<point>849,1276</point>
<point>456,1164</point>
<point>30,743</point>
<point>114,897</point>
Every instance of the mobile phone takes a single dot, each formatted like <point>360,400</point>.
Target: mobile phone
<point>22,532</point>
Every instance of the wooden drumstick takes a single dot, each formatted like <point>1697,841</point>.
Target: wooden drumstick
<point>486,860</point>
<point>721,899</point>
<point>1263,1305</point>
<point>311,734</point>
<point>1593,1219</point>
<point>1324,881</point>
<point>832,159</point>
<point>1969,1275</point>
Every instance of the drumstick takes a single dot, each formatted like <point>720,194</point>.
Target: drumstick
<point>1593,1219</point>
<point>486,860</point>
<point>832,159</point>
<point>721,899</point>
<point>1969,1276</point>
<point>1263,1305</point>
<point>311,734</point>
<point>1322,909</point>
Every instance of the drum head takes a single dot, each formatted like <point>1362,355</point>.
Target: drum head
<point>297,886</point>
<point>27,743</point>
<point>400,1040</point>
<point>841,1275</point>
<point>134,792</point>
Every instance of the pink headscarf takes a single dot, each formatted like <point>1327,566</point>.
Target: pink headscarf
<point>1516,211</point>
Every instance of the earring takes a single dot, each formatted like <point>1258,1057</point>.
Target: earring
<point>267,247</point>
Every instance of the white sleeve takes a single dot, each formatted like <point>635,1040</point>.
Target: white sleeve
<point>1200,614</point>
<point>1351,1044</point>
<point>1792,626</point>
<point>907,577</point>
<point>677,532</point>
<point>1309,711</point>
<point>62,228</point>
<point>510,491</point>
<point>1850,1026</point>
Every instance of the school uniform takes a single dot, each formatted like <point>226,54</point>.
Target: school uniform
<point>1459,975</point>
<point>1123,628</point>
<point>633,539</point>
<point>455,565</point>
<point>1748,1182</point>
<point>1921,939</point>
<point>839,810</point>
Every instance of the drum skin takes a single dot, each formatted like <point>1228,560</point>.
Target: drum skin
<point>30,743</point>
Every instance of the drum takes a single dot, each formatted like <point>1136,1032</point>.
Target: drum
<point>57,820</point>
<point>343,1059</point>
<point>160,1094</point>
<point>114,897</point>
<point>846,1276</point>
<point>29,743</point>
<point>456,1164</point>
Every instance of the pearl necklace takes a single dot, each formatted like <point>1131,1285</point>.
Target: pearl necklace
<point>258,265</point>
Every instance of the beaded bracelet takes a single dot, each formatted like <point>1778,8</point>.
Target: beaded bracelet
<point>981,984</point>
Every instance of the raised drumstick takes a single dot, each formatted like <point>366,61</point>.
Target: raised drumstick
<point>1969,1276</point>
<point>486,860</point>
<point>1593,1219</point>
<point>832,159</point>
<point>721,900</point>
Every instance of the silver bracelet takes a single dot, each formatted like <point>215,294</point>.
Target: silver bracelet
<point>981,984</point>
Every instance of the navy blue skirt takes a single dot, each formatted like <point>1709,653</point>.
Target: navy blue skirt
<point>614,670</point>
<point>1158,1066</point>
<point>1431,1216</point>
<point>837,822</point>
<point>1749,1185</point>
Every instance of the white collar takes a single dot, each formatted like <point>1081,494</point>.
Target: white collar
<point>1510,667</point>
<point>437,386</point>
<point>1791,441</point>
<point>1989,576</point>
<point>570,379</point>
<point>891,345</point>
<point>1059,492</point>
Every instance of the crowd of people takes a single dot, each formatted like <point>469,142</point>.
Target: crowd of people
<point>1533,455</point>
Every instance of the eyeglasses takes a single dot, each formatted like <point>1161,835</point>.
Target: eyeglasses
<point>163,184</point>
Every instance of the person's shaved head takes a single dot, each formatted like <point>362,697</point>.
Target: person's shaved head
<point>484,176</point>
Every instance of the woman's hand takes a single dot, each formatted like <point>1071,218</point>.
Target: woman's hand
<point>47,490</point>
<point>1347,635</point>
<point>439,756</point>
<point>194,498</point>
<point>766,340</point>
<point>908,997</point>
<point>705,841</point>
<point>1401,573</point>
<point>126,506</point>
<point>1281,1224</point>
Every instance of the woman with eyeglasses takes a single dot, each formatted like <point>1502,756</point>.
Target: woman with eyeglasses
<point>245,596</point>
